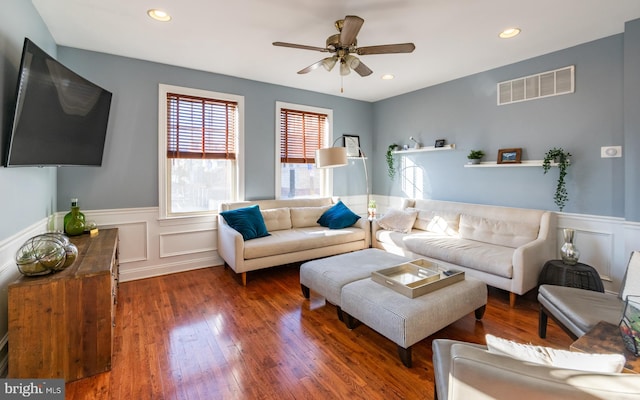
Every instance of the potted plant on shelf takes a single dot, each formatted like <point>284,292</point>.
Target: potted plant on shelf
<point>391,168</point>
<point>475,156</point>
<point>561,157</point>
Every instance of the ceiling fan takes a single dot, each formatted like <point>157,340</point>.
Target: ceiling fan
<point>344,45</point>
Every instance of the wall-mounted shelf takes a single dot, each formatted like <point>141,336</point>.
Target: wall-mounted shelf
<point>493,164</point>
<point>426,148</point>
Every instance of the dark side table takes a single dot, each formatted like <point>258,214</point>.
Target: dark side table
<point>582,276</point>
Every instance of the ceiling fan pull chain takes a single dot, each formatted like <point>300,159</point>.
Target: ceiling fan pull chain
<point>341,84</point>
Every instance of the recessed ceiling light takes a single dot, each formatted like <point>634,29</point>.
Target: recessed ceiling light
<point>387,77</point>
<point>159,15</point>
<point>509,33</point>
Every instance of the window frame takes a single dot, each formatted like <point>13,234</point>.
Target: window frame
<point>326,188</point>
<point>163,164</point>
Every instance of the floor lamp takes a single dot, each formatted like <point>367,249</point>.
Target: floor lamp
<point>331,157</point>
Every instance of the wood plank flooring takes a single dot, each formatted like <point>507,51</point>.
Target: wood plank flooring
<point>201,335</point>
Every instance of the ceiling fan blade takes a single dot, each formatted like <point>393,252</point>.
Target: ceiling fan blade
<point>362,69</point>
<point>387,49</point>
<point>350,29</point>
<point>311,67</point>
<point>300,46</point>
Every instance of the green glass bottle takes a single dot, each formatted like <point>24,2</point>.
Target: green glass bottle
<point>78,219</point>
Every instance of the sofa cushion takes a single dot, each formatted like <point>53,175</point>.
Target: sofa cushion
<point>501,233</point>
<point>437,221</point>
<point>490,258</point>
<point>277,219</point>
<point>609,363</point>
<point>302,217</point>
<point>338,217</point>
<point>246,220</point>
<point>398,220</point>
<point>300,239</point>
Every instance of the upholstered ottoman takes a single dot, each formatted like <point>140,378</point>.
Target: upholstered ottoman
<point>407,321</point>
<point>327,276</point>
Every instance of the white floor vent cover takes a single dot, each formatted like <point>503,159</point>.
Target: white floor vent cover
<point>545,84</point>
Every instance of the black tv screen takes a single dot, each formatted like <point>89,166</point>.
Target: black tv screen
<point>60,118</point>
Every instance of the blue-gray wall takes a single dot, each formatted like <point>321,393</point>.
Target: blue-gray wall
<point>632,119</point>
<point>129,174</point>
<point>27,195</point>
<point>464,112</point>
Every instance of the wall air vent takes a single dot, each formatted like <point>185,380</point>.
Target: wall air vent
<point>545,84</point>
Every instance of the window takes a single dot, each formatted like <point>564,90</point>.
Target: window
<point>200,152</point>
<point>300,131</point>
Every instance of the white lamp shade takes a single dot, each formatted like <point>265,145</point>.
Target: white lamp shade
<point>331,157</point>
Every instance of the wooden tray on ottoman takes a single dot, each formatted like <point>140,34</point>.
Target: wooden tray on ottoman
<point>417,277</point>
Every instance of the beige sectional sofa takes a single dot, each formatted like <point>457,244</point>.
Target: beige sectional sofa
<point>294,235</point>
<point>502,246</point>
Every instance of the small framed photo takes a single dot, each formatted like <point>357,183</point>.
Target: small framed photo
<point>509,156</point>
<point>352,143</point>
<point>439,143</point>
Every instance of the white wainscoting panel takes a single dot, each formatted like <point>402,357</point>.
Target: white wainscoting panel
<point>602,245</point>
<point>134,240</point>
<point>150,246</point>
<point>596,249</point>
<point>187,242</point>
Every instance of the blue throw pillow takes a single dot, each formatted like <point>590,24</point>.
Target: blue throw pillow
<point>337,217</point>
<point>247,220</point>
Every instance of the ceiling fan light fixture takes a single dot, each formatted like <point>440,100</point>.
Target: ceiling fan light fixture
<point>159,15</point>
<point>509,33</point>
<point>344,68</point>
<point>352,61</point>
<point>329,62</point>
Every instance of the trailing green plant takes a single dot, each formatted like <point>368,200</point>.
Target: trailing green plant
<point>475,154</point>
<point>391,167</point>
<point>561,157</point>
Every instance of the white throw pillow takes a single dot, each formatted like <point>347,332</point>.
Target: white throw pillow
<point>607,363</point>
<point>398,220</point>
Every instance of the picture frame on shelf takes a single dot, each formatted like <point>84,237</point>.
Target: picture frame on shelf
<point>352,143</point>
<point>439,143</point>
<point>510,156</point>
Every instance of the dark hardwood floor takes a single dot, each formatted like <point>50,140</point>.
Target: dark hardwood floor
<point>201,335</point>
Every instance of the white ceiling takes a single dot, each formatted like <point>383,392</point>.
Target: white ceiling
<point>453,38</point>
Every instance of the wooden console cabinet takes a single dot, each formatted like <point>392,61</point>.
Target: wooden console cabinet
<point>61,325</point>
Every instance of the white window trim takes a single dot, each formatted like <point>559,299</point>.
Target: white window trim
<point>328,177</point>
<point>163,185</point>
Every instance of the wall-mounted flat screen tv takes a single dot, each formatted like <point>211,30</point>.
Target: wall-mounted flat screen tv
<point>60,118</point>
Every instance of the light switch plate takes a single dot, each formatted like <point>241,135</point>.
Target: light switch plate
<point>610,151</point>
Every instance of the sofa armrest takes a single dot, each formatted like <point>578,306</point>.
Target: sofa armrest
<point>364,224</point>
<point>375,227</point>
<point>477,374</point>
<point>529,258</point>
<point>230,245</point>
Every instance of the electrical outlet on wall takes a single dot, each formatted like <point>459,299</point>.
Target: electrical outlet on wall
<point>610,151</point>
